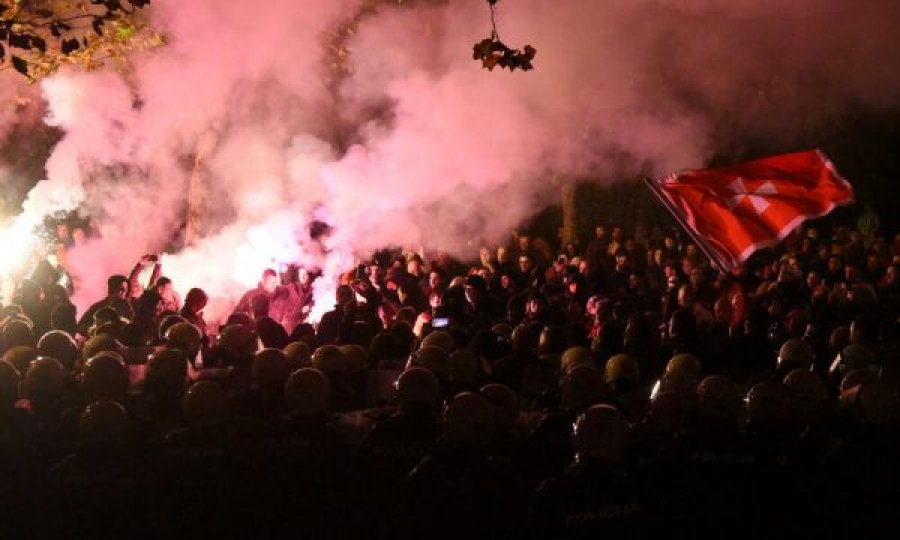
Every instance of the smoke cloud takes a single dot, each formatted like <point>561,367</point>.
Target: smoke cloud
<point>419,145</point>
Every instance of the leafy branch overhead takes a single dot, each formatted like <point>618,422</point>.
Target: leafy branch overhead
<point>38,36</point>
<point>492,52</point>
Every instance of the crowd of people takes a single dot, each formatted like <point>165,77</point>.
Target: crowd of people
<point>618,386</point>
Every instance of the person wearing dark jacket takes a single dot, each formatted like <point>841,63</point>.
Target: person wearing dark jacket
<point>267,286</point>
<point>194,303</point>
<point>116,298</point>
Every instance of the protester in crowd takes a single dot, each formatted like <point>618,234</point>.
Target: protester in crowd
<point>135,287</point>
<point>268,283</point>
<point>117,291</point>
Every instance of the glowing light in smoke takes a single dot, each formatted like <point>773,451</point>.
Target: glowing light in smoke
<point>338,261</point>
<point>19,244</point>
<point>440,153</point>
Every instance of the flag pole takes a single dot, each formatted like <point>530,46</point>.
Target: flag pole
<point>682,222</point>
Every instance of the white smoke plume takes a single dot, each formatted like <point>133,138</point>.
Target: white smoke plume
<point>420,145</point>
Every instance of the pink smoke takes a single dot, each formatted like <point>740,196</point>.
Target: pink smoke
<point>443,154</point>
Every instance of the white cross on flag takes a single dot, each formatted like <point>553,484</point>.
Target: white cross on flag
<point>736,210</point>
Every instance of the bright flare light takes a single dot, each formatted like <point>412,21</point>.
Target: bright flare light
<point>18,243</point>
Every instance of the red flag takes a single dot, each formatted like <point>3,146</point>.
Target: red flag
<point>736,210</point>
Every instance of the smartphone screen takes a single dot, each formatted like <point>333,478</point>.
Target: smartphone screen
<point>440,322</point>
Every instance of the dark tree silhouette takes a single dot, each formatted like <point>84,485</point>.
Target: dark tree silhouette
<point>38,36</point>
